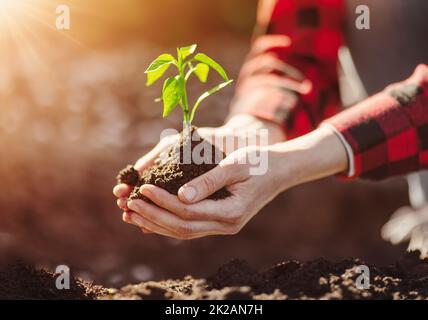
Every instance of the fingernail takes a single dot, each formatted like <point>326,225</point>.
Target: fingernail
<point>116,189</point>
<point>143,190</point>
<point>189,193</point>
<point>137,220</point>
<point>126,217</point>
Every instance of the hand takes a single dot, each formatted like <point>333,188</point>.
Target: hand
<point>237,127</point>
<point>189,216</point>
<point>409,224</point>
<point>186,217</point>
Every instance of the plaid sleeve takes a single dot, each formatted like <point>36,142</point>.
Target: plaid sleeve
<point>388,132</point>
<point>290,75</point>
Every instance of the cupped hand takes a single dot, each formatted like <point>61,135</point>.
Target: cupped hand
<point>122,191</point>
<point>189,216</point>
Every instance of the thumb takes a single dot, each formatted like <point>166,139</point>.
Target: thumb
<point>148,159</point>
<point>208,183</point>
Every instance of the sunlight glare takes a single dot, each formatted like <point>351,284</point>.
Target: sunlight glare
<point>6,5</point>
<point>9,11</point>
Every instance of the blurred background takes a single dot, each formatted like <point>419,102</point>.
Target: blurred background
<point>74,110</point>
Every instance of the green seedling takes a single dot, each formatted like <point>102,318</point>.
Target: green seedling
<point>174,91</point>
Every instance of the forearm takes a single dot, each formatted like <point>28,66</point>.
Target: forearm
<point>254,125</point>
<point>310,157</point>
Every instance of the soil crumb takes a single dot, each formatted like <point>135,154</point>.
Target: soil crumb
<point>172,171</point>
<point>19,280</point>
<point>129,176</point>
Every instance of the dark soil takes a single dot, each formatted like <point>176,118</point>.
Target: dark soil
<point>129,176</point>
<point>318,279</point>
<point>172,171</point>
<point>21,281</point>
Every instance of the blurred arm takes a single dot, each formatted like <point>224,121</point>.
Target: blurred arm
<point>290,75</point>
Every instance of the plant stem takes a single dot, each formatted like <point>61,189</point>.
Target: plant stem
<point>185,101</point>
<point>186,112</point>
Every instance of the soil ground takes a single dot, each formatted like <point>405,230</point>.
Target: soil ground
<point>19,280</point>
<point>237,280</point>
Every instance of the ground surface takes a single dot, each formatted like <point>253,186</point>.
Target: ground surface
<point>21,281</point>
<point>317,279</point>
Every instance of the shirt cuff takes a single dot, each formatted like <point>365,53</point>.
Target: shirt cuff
<point>349,151</point>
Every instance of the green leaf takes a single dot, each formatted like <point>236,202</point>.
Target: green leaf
<point>206,94</point>
<point>153,76</point>
<point>201,71</point>
<point>171,94</point>
<point>187,51</point>
<point>210,62</point>
<point>159,62</point>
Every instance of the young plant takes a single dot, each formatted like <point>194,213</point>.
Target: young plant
<point>174,91</point>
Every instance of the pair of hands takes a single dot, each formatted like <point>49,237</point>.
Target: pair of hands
<point>190,215</point>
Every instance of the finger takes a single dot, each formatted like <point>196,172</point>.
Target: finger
<point>422,215</point>
<point>147,226</point>
<point>424,246</point>
<point>209,210</point>
<point>126,217</point>
<point>210,182</point>
<point>177,226</point>
<point>400,212</point>
<point>266,63</point>
<point>275,81</point>
<point>400,225</point>
<point>122,190</point>
<point>122,203</point>
<point>416,240</point>
<point>152,227</point>
<point>419,241</point>
<point>396,231</point>
<point>148,159</point>
<point>262,44</point>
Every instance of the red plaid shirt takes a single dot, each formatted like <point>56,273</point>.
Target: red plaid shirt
<point>290,77</point>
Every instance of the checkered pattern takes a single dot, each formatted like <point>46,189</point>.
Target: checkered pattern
<point>388,133</point>
<point>290,76</point>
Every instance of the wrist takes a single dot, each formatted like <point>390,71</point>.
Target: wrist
<point>313,156</point>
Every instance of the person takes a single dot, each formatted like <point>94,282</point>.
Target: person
<point>289,85</point>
